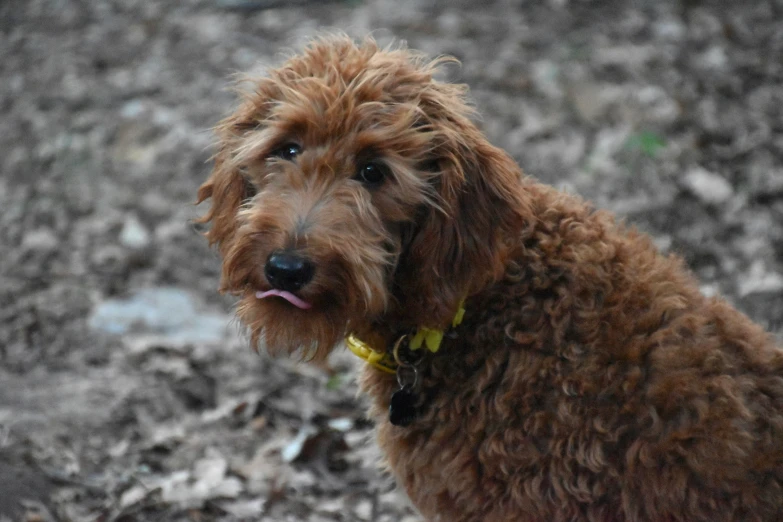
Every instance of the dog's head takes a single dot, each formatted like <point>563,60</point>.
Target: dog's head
<point>350,182</point>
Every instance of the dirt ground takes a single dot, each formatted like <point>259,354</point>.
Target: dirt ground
<point>126,392</point>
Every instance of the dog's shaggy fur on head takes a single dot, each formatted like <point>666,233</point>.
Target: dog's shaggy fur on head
<point>590,379</point>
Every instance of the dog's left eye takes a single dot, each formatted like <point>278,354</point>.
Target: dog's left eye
<point>288,152</point>
<point>372,173</point>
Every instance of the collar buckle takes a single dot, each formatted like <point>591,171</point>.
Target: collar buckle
<point>381,360</point>
<point>389,361</point>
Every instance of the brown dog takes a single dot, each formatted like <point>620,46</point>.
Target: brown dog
<point>589,378</point>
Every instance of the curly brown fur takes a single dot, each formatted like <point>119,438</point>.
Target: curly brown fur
<point>590,379</point>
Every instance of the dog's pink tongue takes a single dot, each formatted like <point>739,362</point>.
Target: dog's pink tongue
<point>288,296</point>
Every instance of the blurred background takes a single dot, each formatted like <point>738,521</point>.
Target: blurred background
<point>126,392</point>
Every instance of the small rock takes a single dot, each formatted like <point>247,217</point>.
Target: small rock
<point>170,313</point>
<point>714,58</point>
<point>166,436</point>
<point>546,78</point>
<point>167,231</point>
<point>709,290</point>
<point>120,449</point>
<point>175,488</point>
<point>229,487</point>
<point>132,109</point>
<point>156,204</point>
<point>708,187</point>
<point>758,280</point>
<point>669,29</point>
<point>363,510</point>
<point>332,506</point>
<point>657,104</point>
<point>450,22</point>
<point>766,182</point>
<point>608,142</point>
<point>293,449</point>
<point>207,481</point>
<point>341,424</point>
<point>592,100</point>
<point>244,509</point>
<point>133,496</point>
<point>110,258</point>
<point>210,471</point>
<point>663,242</point>
<point>40,240</point>
<point>134,234</point>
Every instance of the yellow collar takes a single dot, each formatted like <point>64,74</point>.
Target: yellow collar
<point>429,338</point>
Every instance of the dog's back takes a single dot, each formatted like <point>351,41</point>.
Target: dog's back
<point>595,382</point>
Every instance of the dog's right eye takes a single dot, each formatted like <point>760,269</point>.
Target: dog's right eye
<point>288,152</point>
<point>372,173</point>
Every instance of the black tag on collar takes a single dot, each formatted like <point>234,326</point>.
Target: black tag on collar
<point>402,409</point>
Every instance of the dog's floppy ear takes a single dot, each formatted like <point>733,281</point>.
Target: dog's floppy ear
<point>226,187</point>
<point>460,245</point>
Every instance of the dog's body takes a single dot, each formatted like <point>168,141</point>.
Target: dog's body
<point>589,379</point>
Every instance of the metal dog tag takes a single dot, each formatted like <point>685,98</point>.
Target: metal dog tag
<point>402,409</point>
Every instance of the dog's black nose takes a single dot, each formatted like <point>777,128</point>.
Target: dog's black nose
<point>286,271</point>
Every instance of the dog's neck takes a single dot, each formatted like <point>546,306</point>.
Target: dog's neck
<point>392,326</point>
<point>430,299</point>
<point>381,353</point>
